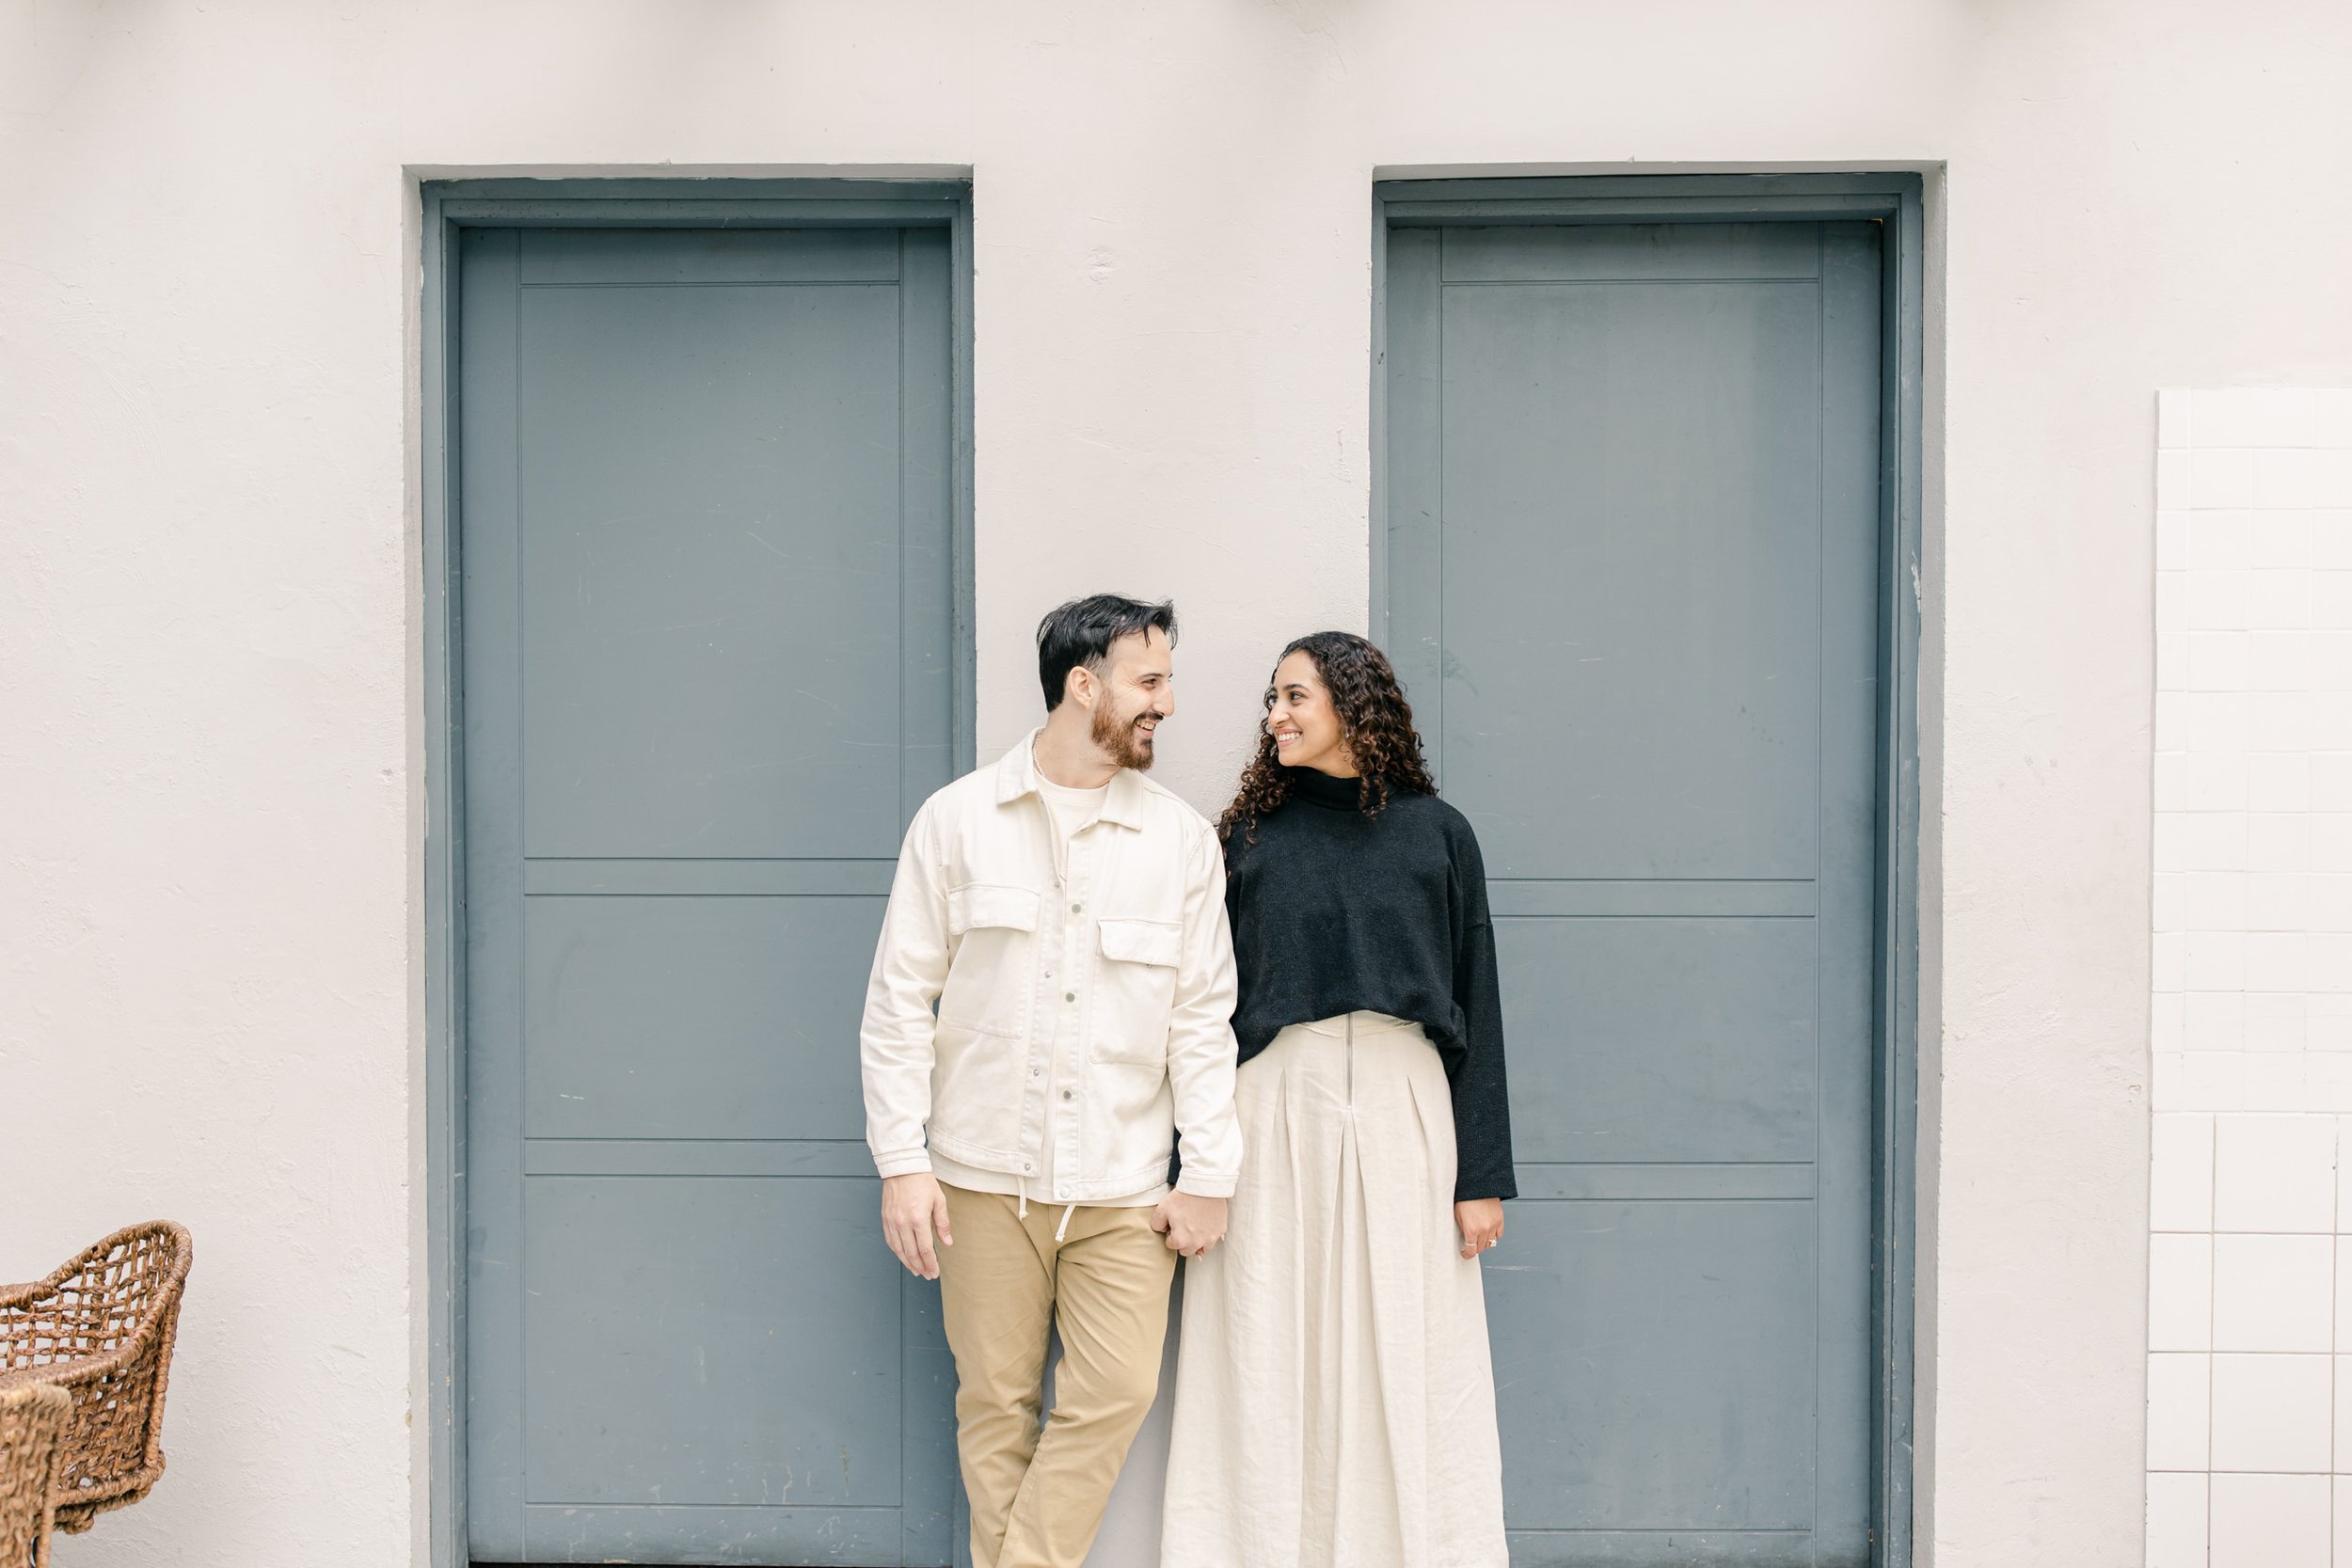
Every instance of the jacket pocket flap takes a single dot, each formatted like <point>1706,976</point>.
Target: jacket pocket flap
<point>1142,941</point>
<point>980,904</point>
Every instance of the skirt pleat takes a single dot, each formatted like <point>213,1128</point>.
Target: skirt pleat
<point>1334,1394</point>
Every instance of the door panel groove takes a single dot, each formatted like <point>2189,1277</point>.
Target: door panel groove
<point>735,283</point>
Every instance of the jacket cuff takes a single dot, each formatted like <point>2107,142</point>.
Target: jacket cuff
<point>1200,1184</point>
<point>902,1165</point>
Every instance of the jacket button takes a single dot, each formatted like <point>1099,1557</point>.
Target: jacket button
<point>1026,1165</point>
<point>1067,1095</point>
<point>1077,909</point>
<point>1070,996</point>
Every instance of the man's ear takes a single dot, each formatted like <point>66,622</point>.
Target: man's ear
<point>1081,686</point>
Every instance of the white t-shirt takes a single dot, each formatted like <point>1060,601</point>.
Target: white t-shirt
<point>1071,809</point>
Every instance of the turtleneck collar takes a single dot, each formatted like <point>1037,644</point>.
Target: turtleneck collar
<point>1322,789</point>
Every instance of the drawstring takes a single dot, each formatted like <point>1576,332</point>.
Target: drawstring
<point>1061,1231</point>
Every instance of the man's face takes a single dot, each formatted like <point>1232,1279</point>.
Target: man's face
<point>1136,690</point>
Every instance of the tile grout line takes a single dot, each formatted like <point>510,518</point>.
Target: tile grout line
<point>2212,1301</point>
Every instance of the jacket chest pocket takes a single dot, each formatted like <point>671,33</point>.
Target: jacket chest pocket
<point>1135,988</point>
<point>992,928</point>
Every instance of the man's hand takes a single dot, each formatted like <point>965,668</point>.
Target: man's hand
<point>1480,1223</point>
<point>1191,1223</point>
<point>913,1208</point>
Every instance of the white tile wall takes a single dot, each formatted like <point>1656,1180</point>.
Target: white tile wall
<point>2250,1264</point>
<point>2176,1520</point>
<point>2274,1172</point>
<point>2180,1412</point>
<point>2268,1521</point>
<point>2180,1291</point>
<point>2273,1414</point>
<point>2275,1294</point>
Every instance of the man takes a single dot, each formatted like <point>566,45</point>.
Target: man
<point>1067,915</point>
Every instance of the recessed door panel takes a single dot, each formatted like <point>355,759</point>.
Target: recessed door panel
<point>1633,561</point>
<point>709,644</point>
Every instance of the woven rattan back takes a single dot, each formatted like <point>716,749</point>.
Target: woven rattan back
<point>32,1433</point>
<point>102,1327</point>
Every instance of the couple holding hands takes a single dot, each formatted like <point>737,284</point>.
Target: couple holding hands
<point>1102,1032</point>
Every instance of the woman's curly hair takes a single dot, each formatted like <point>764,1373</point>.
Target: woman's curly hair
<point>1375,724</point>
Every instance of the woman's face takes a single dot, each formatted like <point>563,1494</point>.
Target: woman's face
<point>1306,729</point>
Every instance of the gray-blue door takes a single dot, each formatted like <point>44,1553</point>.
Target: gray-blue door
<point>1633,506</point>
<point>709,650</point>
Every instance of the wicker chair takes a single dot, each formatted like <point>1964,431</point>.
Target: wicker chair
<point>100,1328</point>
<point>32,1428</point>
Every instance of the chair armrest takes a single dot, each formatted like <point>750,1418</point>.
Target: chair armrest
<point>67,1371</point>
<point>74,1373</point>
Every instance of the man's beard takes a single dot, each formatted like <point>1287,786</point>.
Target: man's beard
<point>1121,742</point>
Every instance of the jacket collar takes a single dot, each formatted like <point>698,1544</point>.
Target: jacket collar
<point>1016,776</point>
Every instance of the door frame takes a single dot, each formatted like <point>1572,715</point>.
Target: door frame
<point>447,208</point>
<point>1894,200</point>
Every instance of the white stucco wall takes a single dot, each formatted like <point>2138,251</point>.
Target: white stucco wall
<point>210,747</point>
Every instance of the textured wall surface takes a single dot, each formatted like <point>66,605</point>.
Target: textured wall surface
<point>2250,1290</point>
<point>211,758</point>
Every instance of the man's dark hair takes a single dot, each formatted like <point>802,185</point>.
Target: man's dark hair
<point>1083,630</point>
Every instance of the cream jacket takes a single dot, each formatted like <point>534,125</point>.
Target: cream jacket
<point>979,924</point>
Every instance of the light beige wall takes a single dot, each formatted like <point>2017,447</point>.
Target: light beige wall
<point>210,754</point>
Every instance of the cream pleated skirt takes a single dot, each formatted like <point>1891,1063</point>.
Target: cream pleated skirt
<point>1335,1402</point>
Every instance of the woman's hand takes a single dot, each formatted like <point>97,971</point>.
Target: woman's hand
<point>1480,1223</point>
<point>1191,1223</point>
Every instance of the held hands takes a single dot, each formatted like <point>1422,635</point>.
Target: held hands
<point>914,1207</point>
<point>1191,1223</point>
<point>1480,1223</point>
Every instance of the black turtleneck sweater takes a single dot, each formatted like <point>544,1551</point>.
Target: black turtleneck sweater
<point>1333,912</point>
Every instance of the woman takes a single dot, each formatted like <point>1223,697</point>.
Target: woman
<point>1335,1404</point>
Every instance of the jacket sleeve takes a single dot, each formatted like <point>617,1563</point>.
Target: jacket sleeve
<point>1201,1048</point>
<point>1482,1098</point>
<point>895,1043</point>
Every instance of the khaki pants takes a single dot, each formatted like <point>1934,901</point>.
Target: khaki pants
<point>1037,1498</point>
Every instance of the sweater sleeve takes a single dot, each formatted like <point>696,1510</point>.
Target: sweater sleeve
<point>1482,1102</point>
<point>1201,1054</point>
